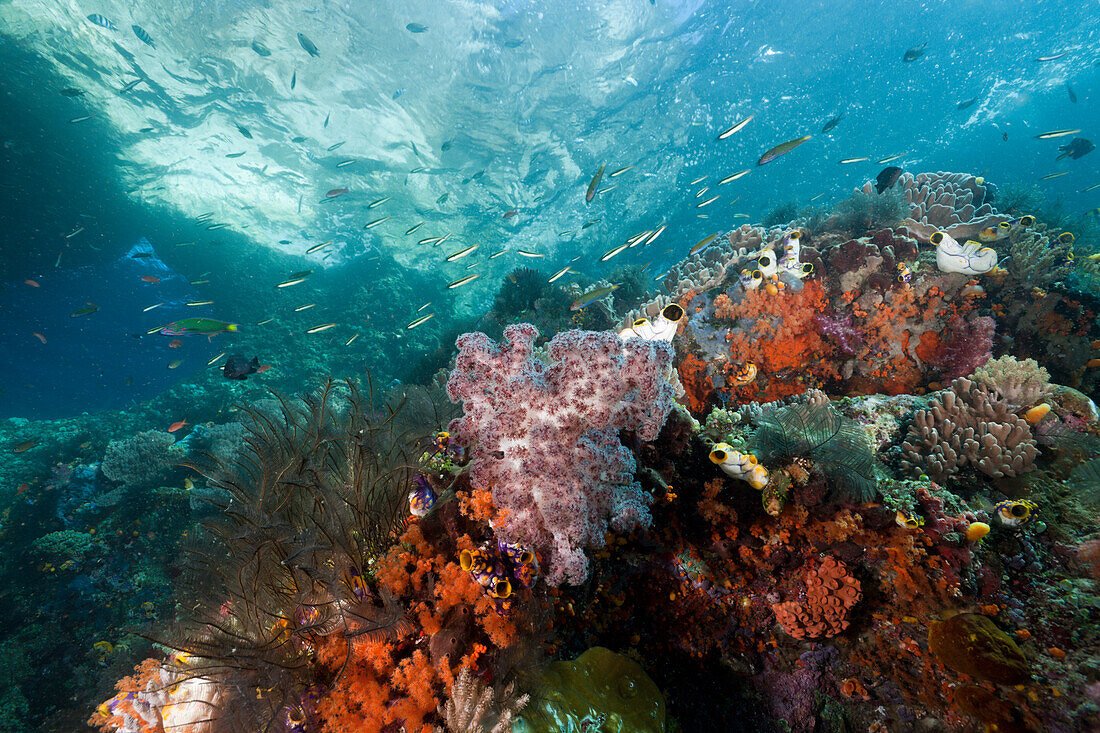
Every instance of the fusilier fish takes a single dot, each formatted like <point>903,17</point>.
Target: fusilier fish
<point>735,176</point>
<point>423,319</point>
<point>461,253</point>
<point>613,251</point>
<point>736,128</point>
<point>462,281</point>
<point>1057,133</point>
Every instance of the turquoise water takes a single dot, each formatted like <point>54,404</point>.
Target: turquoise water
<point>325,175</point>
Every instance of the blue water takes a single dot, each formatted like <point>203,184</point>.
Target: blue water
<point>501,107</point>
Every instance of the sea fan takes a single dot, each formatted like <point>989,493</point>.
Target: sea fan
<point>1085,480</point>
<point>839,446</point>
<point>317,491</point>
<point>519,291</point>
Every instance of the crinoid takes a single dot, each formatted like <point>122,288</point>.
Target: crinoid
<point>317,493</point>
<point>815,430</point>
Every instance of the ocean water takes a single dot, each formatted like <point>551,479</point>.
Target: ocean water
<point>326,202</point>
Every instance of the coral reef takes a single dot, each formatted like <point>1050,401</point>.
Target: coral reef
<point>140,460</point>
<point>1019,382</point>
<point>828,538</point>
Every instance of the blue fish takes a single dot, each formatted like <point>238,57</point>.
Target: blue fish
<point>102,22</point>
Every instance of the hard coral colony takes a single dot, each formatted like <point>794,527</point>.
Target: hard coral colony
<point>892,531</point>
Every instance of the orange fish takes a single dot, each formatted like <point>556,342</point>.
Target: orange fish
<point>263,368</point>
<point>1092,363</point>
<point>150,279</point>
<point>25,446</point>
<point>40,337</point>
<point>32,283</point>
<point>22,488</point>
<point>175,344</point>
<point>177,426</point>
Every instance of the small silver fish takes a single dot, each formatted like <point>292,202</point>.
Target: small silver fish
<point>734,176</point>
<point>423,319</point>
<point>736,128</point>
<point>461,253</point>
<point>462,281</point>
<point>613,251</point>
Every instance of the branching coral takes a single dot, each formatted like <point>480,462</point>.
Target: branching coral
<point>1036,259</point>
<point>864,211</point>
<point>1020,383</point>
<point>968,425</point>
<point>544,436</point>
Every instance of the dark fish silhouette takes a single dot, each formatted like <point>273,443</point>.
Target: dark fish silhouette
<point>887,178</point>
<point>416,28</point>
<point>239,367</point>
<point>1072,94</point>
<point>261,48</point>
<point>832,123</point>
<point>914,53</point>
<point>308,45</point>
<point>1076,148</point>
<point>967,103</point>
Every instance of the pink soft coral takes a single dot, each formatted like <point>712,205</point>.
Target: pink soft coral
<point>544,436</point>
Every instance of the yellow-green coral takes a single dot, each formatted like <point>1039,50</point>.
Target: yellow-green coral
<point>599,690</point>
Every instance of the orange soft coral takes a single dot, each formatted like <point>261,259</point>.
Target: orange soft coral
<point>698,389</point>
<point>477,504</point>
<point>778,335</point>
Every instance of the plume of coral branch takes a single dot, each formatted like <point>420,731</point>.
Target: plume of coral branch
<point>470,708</point>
